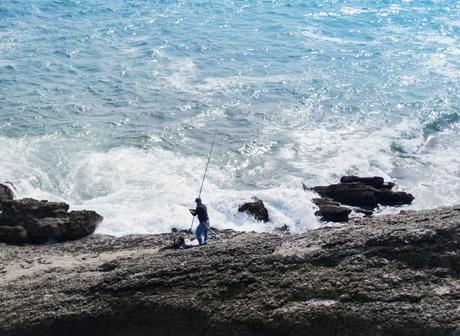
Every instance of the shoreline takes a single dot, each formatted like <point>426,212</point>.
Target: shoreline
<point>386,275</point>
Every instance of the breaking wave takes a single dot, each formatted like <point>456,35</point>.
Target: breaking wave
<point>118,117</point>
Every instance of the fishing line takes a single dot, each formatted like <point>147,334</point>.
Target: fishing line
<point>204,177</point>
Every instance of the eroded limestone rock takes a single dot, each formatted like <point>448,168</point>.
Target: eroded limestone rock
<point>388,275</point>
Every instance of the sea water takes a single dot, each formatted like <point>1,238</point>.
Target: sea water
<point>112,105</point>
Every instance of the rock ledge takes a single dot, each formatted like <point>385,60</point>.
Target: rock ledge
<point>389,275</point>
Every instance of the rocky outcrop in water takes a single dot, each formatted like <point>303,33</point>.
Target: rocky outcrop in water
<point>374,181</point>
<point>255,208</point>
<point>6,194</point>
<point>388,275</point>
<point>366,193</point>
<point>331,211</point>
<point>31,221</point>
<point>362,195</point>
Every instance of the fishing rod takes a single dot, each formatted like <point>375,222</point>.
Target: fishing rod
<point>207,164</point>
<point>204,177</point>
<point>217,236</point>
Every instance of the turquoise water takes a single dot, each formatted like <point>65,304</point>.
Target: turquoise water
<point>112,105</point>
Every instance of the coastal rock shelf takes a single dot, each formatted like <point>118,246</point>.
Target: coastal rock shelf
<point>388,275</point>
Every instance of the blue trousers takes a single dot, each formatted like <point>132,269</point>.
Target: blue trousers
<point>202,232</point>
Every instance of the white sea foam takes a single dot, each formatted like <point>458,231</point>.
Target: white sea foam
<point>351,10</point>
<point>183,74</point>
<point>144,191</point>
<point>150,190</point>
<point>223,84</point>
<point>315,35</point>
<point>297,100</point>
<point>442,64</point>
<point>183,78</point>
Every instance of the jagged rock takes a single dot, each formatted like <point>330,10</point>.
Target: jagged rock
<point>355,194</point>
<point>387,185</point>
<point>6,194</point>
<point>384,276</point>
<point>45,229</point>
<point>46,221</point>
<point>13,235</point>
<point>387,197</point>
<point>331,211</point>
<point>374,181</point>
<point>82,223</point>
<point>365,193</point>
<point>18,211</point>
<point>255,208</point>
<point>362,195</point>
<point>77,224</point>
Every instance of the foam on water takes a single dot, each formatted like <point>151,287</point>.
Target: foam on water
<point>111,105</point>
<point>144,191</point>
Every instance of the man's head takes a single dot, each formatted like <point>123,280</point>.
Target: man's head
<point>198,200</point>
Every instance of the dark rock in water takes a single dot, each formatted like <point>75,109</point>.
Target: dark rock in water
<point>387,185</point>
<point>305,188</point>
<point>388,197</point>
<point>331,211</point>
<point>13,235</point>
<point>355,194</point>
<point>366,193</point>
<point>255,208</point>
<point>362,195</point>
<point>6,194</point>
<point>45,221</point>
<point>325,201</point>
<point>374,181</point>
<point>393,275</point>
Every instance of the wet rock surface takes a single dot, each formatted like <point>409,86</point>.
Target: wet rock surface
<point>386,275</point>
<point>32,221</point>
<point>331,211</point>
<point>374,181</point>
<point>366,193</point>
<point>6,194</point>
<point>255,208</point>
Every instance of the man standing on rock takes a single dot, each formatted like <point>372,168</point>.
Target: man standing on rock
<point>202,230</point>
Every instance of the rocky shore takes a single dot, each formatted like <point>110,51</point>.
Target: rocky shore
<point>387,275</point>
<point>360,195</point>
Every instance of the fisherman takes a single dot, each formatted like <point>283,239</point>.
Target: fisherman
<point>202,230</point>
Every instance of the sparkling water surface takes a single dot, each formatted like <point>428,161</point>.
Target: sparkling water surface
<point>112,105</point>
